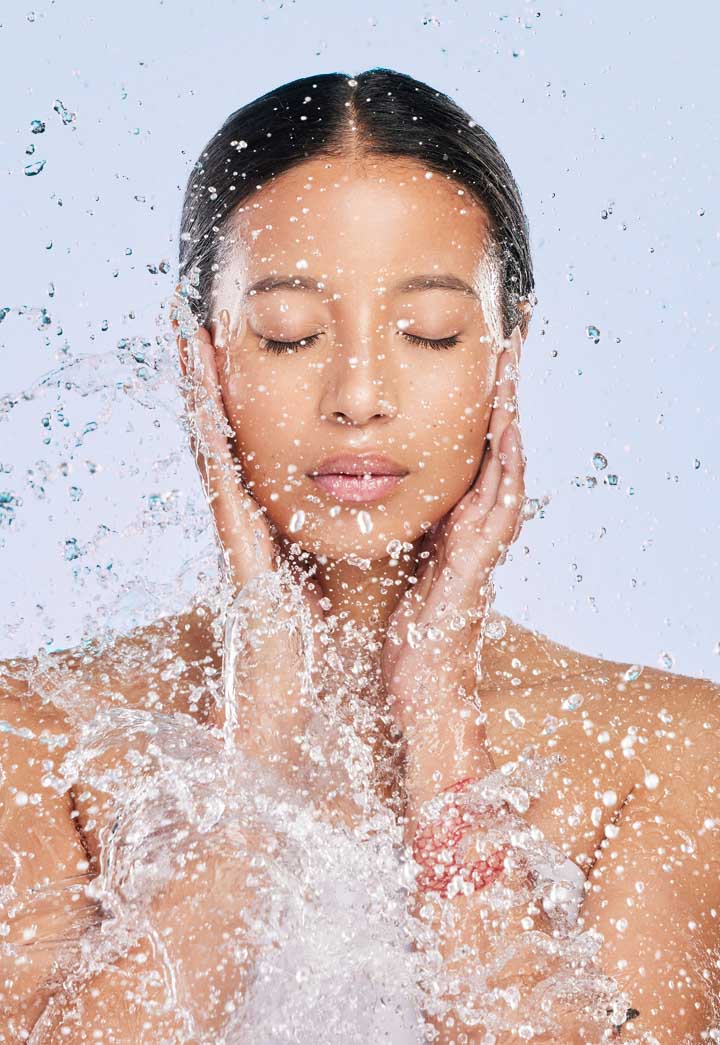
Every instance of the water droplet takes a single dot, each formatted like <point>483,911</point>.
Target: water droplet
<point>34,168</point>
<point>600,461</point>
<point>67,117</point>
<point>666,660</point>
<point>297,521</point>
<point>364,521</point>
<point>612,480</point>
<point>495,629</point>
<point>513,716</point>
<point>652,780</point>
<point>30,149</point>
<point>301,264</point>
<point>394,548</point>
<point>3,313</point>
<point>593,333</point>
<point>573,702</point>
<point>431,20</point>
<point>633,672</point>
<point>76,493</point>
<point>696,464</point>
<point>72,550</point>
<point>8,505</point>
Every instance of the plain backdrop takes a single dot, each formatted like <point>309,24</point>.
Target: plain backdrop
<point>608,117</point>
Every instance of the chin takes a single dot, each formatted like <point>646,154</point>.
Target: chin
<point>344,539</point>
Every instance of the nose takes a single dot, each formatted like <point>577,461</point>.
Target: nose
<point>359,385</point>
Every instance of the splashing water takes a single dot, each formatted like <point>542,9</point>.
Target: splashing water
<point>302,872</point>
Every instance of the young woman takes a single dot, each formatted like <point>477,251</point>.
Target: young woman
<point>529,834</point>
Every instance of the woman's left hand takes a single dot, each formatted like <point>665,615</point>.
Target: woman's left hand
<point>429,659</point>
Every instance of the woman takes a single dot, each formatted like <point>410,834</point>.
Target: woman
<point>355,295</point>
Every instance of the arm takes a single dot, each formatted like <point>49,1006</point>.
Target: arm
<point>43,863</point>
<point>654,892</point>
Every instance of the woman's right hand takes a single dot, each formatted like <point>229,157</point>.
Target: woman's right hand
<point>271,710</point>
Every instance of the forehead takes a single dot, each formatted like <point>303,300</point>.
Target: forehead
<point>371,217</point>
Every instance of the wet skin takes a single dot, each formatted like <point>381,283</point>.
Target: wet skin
<point>363,385</point>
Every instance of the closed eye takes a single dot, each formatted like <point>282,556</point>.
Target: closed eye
<point>279,347</point>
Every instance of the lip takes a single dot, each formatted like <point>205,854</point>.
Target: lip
<point>356,488</point>
<point>358,464</point>
<point>358,477</point>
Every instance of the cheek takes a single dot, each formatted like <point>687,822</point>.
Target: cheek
<point>265,428</point>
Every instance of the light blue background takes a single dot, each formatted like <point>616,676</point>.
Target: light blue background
<point>596,107</point>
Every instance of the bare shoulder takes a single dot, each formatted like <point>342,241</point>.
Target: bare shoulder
<point>641,716</point>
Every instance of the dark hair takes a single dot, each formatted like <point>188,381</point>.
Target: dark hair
<point>393,115</point>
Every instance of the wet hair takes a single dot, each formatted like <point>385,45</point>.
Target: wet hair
<point>379,112</point>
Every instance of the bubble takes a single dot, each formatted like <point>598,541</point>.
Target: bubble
<point>652,780</point>
<point>394,548</point>
<point>599,461</point>
<point>301,264</point>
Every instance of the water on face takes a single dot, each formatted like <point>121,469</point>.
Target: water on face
<point>287,874</point>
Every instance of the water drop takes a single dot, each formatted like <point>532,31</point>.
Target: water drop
<point>513,716</point>
<point>600,461</point>
<point>34,168</point>
<point>301,264</point>
<point>393,548</point>
<point>67,117</point>
<point>72,550</point>
<point>573,702</point>
<point>37,126</point>
<point>495,629</point>
<point>593,333</point>
<point>364,521</point>
<point>633,672</point>
<point>297,521</point>
<point>3,313</point>
<point>8,505</point>
<point>666,660</point>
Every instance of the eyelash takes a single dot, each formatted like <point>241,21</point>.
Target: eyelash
<point>282,347</point>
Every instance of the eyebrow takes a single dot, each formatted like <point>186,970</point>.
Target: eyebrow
<point>442,281</point>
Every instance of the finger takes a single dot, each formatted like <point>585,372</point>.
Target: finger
<point>506,517</point>
<point>505,401</point>
<point>243,532</point>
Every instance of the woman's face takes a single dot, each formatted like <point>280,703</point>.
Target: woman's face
<point>349,242</point>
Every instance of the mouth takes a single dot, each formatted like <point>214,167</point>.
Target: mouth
<point>358,477</point>
<point>357,487</point>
